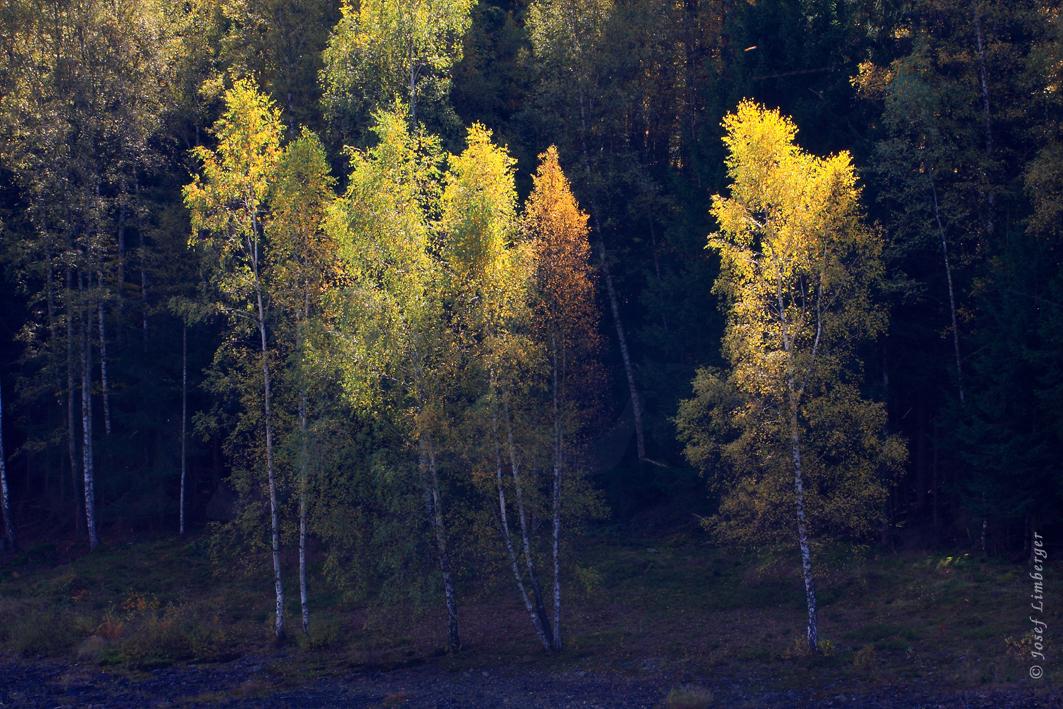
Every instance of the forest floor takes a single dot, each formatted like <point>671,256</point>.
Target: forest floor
<point>661,622</point>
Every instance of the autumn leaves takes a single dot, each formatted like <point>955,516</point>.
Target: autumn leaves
<point>797,452</point>
<point>433,304</point>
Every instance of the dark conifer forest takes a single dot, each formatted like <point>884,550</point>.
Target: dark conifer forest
<point>399,295</point>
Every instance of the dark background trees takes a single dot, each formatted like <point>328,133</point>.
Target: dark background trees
<point>951,112</point>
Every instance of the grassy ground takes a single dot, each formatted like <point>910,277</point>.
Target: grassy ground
<point>665,606</point>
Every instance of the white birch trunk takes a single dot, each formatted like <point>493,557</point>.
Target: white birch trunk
<point>9,525</point>
<point>86,423</point>
<point>103,370</point>
<point>413,93</point>
<point>274,512</point>
<point>990,197</point>
<point>556,510</point>
<point>503,527</point>
<point>441,544</point>
<point>794,393</point>
<point>952,297</point>
<point>184,422</point>
<point>303,600</point>
<point>71,437</point>
<point>252,251</point>
<point>530,562</point>
<point>802,532</point>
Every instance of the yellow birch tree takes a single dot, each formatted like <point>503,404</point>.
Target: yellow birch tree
<point>797,269</point>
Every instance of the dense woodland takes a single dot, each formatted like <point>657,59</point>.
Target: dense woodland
<point>429,286</point>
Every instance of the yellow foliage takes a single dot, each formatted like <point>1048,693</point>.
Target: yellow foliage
<point>797,268</point>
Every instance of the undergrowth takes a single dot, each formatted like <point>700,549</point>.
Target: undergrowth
<point>635,607</point>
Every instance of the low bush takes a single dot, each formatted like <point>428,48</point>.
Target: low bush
<point>689,698</point>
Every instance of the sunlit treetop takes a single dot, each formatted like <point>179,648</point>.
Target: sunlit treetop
<point>236,178</point>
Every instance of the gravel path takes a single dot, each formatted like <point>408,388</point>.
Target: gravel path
<point>257,683</point>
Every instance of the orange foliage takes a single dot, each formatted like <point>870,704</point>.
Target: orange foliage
<point>558,229</point>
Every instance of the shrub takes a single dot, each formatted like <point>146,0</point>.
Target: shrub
<point>865,658</point>
<point>175,633</point>
<point>324,634</point>
<point>43,633</point>
<point>689,698</point>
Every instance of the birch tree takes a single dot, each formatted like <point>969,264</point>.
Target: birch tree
<point>567,37</point>
<point>490,273</point>
<point>303,261</point>
<point>227,204</point>
<point>797,268</point>
<point>565,323</point>
<point>383,49</point>
<point>397,359</point>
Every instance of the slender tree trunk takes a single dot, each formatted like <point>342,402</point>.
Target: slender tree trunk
<point>103,370</point>
<point>934,478</point>
<point>441,544</point>
<point>302,472</point>
<point>71,437</point>
<point>503,527</point>
<point>952,297</point>
<point>614,304</point>
<point>9,523</point>
<point>556,508</point>
<point>86,421</point>
<point>184,421</point>
<point>274,512</point>
<point>802,530</point>
<point>629,371</point>
<point>990,197</point>
<point>984,525</point>
<point>540,607</point>
<point>143,267</point>
<point>121,268</point>
<point>413,96</point>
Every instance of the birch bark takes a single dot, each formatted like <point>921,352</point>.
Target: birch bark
<point>86,421</point>
<point>555,509</point>
<point>103,370</point>
<point>441,544</point>
<point>503,528</point>
<point>267,396</point>
<point>952,296</point>
<point>184,422</point>
<point>9,525</point>
<point>303,600</point>
<point>540,609</point>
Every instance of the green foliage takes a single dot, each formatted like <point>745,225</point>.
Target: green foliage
<point>384,49</point>
<point>280,43</point>
<point>385,243</point>
<point>434,306</point>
